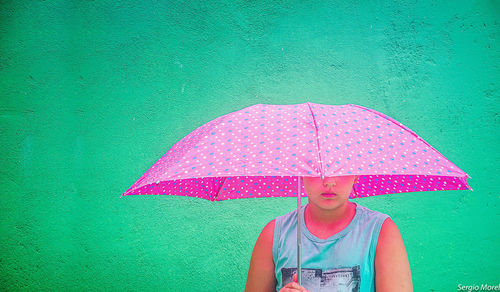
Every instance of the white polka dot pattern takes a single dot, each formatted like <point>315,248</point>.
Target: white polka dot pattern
<point>260,151</point>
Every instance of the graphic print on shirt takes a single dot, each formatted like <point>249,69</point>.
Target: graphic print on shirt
<point>315,280</point>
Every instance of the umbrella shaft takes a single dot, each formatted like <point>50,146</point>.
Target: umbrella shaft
<point>299,271</point>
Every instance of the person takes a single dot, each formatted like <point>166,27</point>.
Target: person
<point>344,246</point>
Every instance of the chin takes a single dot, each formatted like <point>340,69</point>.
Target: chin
<point>329,204</point>
<point>334,202</point>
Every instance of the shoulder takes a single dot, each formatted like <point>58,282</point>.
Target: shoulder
<point>261,275</point>
<point>371,215</point>
<point>264,244</point>
<point>268,230</point>
<point>389,235</point>
<point>389,228</point>
<point>392,269</point>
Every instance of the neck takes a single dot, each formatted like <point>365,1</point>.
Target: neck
<point>330,218</point>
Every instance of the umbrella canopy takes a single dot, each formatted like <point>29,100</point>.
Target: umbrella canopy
<point>261,150</point>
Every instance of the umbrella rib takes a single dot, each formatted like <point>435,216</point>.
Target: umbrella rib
<point>220,186</point>
<point>413,133</point>
<point>317,141</point>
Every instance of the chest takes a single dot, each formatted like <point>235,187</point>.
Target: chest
<point>324,233</point>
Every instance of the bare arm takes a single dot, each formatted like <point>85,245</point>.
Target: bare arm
<point>261,276</point>
<point>392,269</point>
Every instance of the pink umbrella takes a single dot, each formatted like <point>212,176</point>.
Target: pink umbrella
<point>262,150</point>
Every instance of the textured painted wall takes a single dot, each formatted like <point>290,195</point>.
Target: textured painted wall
<point>94,92</point>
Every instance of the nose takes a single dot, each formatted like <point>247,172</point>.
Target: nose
<point>329,182</point>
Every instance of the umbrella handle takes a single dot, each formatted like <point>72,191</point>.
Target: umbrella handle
<point>299,272</point>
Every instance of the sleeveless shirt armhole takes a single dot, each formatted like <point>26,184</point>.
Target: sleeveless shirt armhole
<point>376,233</point>
<point>276,237</point>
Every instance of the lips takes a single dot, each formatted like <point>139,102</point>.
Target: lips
<point>328,195</point>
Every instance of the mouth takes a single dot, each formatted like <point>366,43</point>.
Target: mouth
<point>328,195</point>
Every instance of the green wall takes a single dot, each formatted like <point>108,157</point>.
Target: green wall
<point>94,92</point>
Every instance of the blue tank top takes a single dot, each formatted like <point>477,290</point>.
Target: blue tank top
<point>343,262</point>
